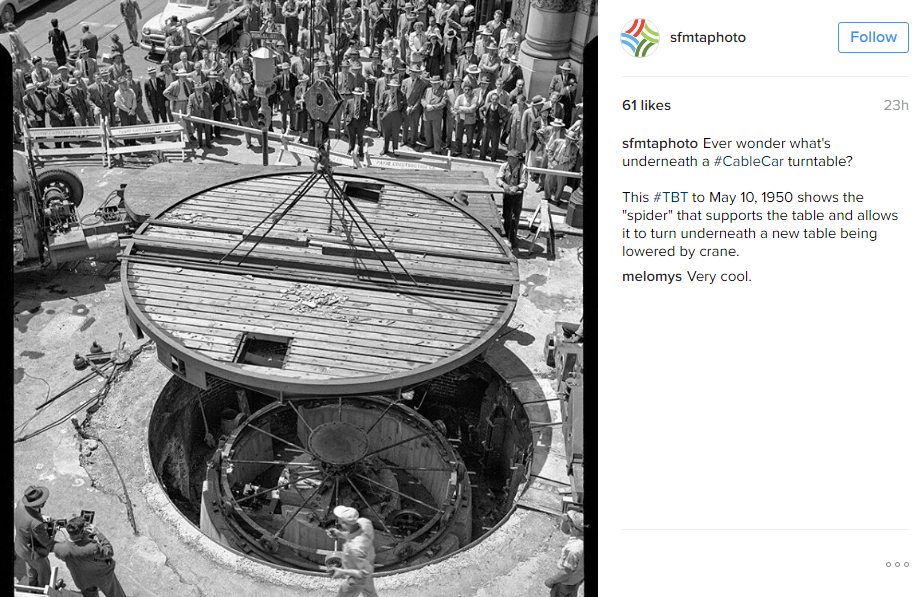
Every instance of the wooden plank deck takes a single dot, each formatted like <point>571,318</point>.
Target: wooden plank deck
<point>409,288</point>
<point>148,192</point>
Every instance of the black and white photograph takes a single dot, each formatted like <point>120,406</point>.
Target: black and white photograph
<point>299,297</point>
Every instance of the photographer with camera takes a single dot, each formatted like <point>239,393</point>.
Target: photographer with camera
<point>88,555</point>
<point>33,540</point>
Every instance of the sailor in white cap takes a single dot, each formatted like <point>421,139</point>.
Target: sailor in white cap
<point>571,566</point>
<point>357,553</point>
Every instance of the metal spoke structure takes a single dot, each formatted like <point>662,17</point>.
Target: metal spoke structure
<point>369,452</point>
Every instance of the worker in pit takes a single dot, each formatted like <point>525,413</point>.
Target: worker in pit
<point>357,553</point>
<point>571,567</point>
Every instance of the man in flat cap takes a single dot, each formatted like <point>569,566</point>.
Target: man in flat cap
<point>357,553</point>
<point>32,543</point>
<point>571,566</point>
<point>88,555</point>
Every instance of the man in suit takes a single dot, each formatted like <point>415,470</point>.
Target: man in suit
<point>493,115</point>
<point>285,83</point>
<point>393,104</point>
<point>154,87</point>
<point>452,90</point>
<point>433,109</point>
<point>357,113</point>
<point>56,107</point>
<point>34,107</point>
<point>413,89</point>
<point>217,92</point>
<point>32,543</point>
<point>131,12</point>
<point>77,104</point>
<point>199,105</point>
<point>377,100</point>
<point>89,41</point>
<point>559,80</point>
<point>88,66</point>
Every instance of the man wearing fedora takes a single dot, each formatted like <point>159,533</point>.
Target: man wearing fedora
<point>357,113</point>
<point>452,90</point>
<point>88,556</point>
<point>559,80</point>
<point>101,96</point>
<point>200,106</point>
<point>285,83</point>
<point>490,63</point>
<point>530,124</point>
<point>413,88</point>
<point>219,97</point>
<point>561,155</point>
<point>32,543</point>
<point>154,87</point>
<point>377,100</point>
<point>79,108</point>
<point>512,180</point>
<point>571,566</point>
<point>433,106</point>
<point>56,107</point>
<point>393,104</point>
<point>357,553</point>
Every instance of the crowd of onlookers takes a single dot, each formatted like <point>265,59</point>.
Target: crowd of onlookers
<point>431,75</point>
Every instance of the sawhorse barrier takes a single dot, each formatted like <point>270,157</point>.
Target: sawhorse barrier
<point>169,136</point>
<point>96,135</point>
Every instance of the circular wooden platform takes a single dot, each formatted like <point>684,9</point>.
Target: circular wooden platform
<point>404,287</point>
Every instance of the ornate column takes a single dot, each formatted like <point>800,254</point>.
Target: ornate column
<point>585,29</point>
<point>547,41</point>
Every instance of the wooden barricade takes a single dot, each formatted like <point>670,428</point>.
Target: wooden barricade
<point>96,135</point>
<point>287,144</point>
<point>169,136</point>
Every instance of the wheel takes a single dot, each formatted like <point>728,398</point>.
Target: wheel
<point>406,522</point>
<point>8,14</point>
<point>65,181</point>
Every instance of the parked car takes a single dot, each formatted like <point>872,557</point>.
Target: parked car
<point>210,19</point>
<point>10,8</point>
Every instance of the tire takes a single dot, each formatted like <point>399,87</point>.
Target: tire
<point>65,180</point>
<point>8,15</point>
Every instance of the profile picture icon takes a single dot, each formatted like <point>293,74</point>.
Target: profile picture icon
<point>639,38</point>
